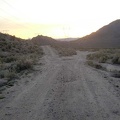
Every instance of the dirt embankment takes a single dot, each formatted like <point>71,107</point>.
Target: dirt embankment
<point>67,89</point>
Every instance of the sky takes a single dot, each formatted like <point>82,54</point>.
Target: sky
<point>56,18</point>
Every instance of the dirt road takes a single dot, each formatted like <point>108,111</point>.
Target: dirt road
<point>67,89</point>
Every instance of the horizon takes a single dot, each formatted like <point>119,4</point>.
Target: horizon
<point>56,19</point>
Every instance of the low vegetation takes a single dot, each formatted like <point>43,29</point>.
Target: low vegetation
<point>17,56</point>
<point>109,56</point>
<point>95,65</point>
<point>2,97</point>
<point>64,51</point>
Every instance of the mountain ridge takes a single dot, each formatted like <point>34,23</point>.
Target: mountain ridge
<point>106,37</point>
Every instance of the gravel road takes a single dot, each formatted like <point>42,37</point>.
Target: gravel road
<point>67,89</point>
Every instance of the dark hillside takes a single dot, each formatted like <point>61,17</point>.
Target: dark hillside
<point>43,40</point>
<point>106,37</point>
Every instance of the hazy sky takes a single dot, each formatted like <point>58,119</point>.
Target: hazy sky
<point>56,18</point>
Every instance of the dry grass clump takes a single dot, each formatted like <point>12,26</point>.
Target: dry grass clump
<point>65,51</point>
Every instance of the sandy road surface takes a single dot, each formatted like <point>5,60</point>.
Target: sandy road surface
<point>67,89</point>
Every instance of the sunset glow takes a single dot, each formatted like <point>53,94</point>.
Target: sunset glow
<point>56,18</point>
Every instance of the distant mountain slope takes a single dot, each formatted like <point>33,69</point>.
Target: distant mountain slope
<point>106,37</point>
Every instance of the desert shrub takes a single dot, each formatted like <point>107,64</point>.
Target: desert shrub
<point>103,56</point>
<point>90,63</point>
<point>119,60</point>
<point>65,51</point>
<point>23,64</point>
<point>5,74</point>
<point>2,74</point>
<point>95,65</point>
<point>11,75</point>
<point>100,57</point>
<point>0,61</point>
<point>115,74</point>
<point>116,60</point>
<point>1,96</point>
<point>103,59</point>
<point>9,59</point>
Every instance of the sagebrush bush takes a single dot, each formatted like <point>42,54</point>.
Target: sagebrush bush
<point>65,51</point>
<point>2,97</point>
<point>2,74</point>
<point>116,60</point>
<point>95,65</point>
<point>116,75</point>
<point>10,59</point>
<point>11,75</point>
<point>103,59</point>
<point>104,56</point>
<point>24,64</point>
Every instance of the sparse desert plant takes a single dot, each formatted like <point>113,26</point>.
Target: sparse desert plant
<point>105,55</point>
<point>62,51</point>
<point>1,96</point>
<point>2,74</point>
<point>103,59</point>
<point>100,57</point>
<point>116,60</point>
<point>115,74</point>
<point>10,59</point>
<point>95,65</point>
<point>119,60</point>
<point>90,63</point>
<point>23,64</point>
<point>11,75</point>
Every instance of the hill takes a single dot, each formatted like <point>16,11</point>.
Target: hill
<point>106,37</point>
<point>43,40</point>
